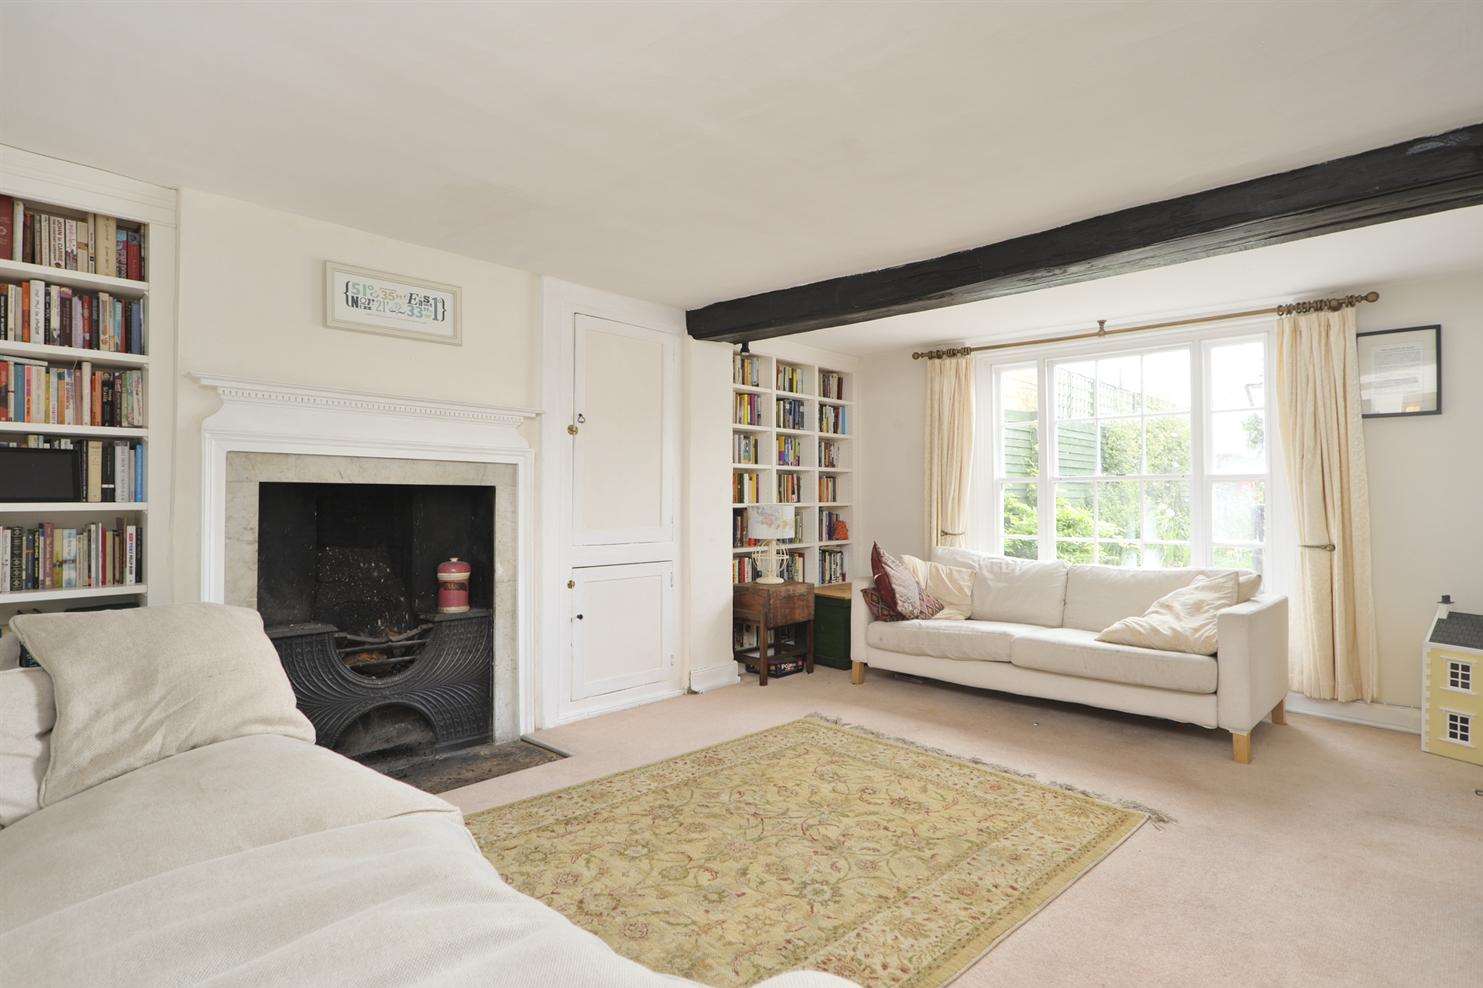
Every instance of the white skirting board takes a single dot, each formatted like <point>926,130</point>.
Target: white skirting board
<point>714,677</point>
<point>1386,715</point>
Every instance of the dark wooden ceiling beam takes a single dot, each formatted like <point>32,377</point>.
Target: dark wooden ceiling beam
<point>1416,177</point>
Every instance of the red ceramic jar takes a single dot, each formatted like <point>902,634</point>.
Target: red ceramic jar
<point>453,586</point>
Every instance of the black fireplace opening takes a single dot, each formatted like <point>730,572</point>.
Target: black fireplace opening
<point>347,587</point>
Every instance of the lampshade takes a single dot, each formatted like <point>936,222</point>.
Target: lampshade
<point>770,521</point>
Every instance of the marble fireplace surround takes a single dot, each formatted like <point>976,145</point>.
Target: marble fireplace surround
<point>267,433</point>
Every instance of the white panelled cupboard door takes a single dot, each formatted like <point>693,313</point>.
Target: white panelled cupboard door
<point>623,627</point>
<point>623,486</point>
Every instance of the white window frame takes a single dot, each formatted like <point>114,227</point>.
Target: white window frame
<point>1463,717</point>
<point>1464,664</point>
<point>987,495</point>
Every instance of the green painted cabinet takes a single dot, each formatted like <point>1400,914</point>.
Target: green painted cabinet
<point>832,629</point>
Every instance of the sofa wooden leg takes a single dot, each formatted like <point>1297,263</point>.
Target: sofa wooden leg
<point>1241,746</point>
<point>857,673</point>
<point>1279,712</point>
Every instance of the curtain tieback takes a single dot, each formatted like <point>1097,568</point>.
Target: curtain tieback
<point>943,531</point>
<point>1326,547</point>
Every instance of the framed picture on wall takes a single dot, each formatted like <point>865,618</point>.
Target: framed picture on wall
<point>369,301</point>
<point>1400,372</point>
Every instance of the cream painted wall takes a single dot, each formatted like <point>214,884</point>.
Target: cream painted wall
<point>251,306</point>
<point>894,459</point>
<point>1426,480</point>
<point>1426,474</point>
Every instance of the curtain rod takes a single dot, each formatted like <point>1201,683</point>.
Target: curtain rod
<point>1295,308</point>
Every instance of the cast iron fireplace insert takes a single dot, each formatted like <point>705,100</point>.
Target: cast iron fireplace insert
<point>347,588</point>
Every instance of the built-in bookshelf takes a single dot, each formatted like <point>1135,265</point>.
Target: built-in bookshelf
<point>792,442</point>
<point>74,376</point>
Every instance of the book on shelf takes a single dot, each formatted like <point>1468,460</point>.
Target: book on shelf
<point>790,488</point>
<point>45,557</point>
<point>107,471</point>
<point>789,378</point>
<point>34,311</point>
<point>831,385</point>
<point>832,526</point>
<point>748,409</point>
<point>743,569</point>
<point>739,539</point>
<point>92,243</point>
<point>828,488</point>
<point>746,487</point>
<point>791,414</point>
<point>792,569</point>
<point>37,392</point>
<point>746,370</point>
<point>828,454</point>
<point>831,566</point>
<point>744,447</point>
<point>790,451</point>
<point>833,420</point>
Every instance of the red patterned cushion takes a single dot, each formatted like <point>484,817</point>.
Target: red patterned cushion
<point>877,607</point>
<point>898,589</point>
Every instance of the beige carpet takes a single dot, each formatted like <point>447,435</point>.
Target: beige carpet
<point>811,845</point>
<point>1341,855</point>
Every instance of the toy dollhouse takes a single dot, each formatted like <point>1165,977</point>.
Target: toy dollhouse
<point>1451,693</point>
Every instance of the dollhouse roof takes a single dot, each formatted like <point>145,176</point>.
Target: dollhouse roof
<point>1459,630</point>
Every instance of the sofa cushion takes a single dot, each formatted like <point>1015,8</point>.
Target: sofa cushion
<point>974,641</point>
<point>1098,597</point>
<point>1182,620</point>
<point>898,588</point>
<point>1076,652</point>
<point>1019,591</point>
<point>952,585</point>
<point>26,717</point>
<point>135,686</point>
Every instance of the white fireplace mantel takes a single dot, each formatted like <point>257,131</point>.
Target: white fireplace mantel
<point>261,417</point>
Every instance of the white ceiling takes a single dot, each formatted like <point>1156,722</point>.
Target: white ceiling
<point>689,152</point>
<point>1335,264</point>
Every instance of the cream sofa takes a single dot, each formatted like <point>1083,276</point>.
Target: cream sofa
<point>264,860</point>
<point>1033,630</point>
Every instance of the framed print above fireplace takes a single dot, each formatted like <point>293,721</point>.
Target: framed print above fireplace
<point>1400,372</point>
<point>368,301</point>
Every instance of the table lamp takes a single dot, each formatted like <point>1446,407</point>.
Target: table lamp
<point>768,523</point>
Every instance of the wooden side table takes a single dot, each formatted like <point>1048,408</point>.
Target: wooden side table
<point>770,606</point>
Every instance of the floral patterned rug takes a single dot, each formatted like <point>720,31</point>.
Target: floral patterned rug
<point>810,845</point>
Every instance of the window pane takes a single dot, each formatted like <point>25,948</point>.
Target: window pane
<point>1074,510</point>
<point>1172,556</point>
<point>1117,554</point>
<point>1168,444</point>
<point>1076,552</point>
<point>1019,510</point>
<point>1166,381</point>
<point>1238,442</point>
<point>1240,510</point>
<point>1122,447</point>
<point>1238,375</point>
<point>1021,446</point>
<point>1166,510</point>
<point>1075,390</point>
<point>1117,510</point>
<point>1021,548</point>
<point>1018,390</point>
<point>1119,386</point>
<point>1236,557</point>
<point>1076,449</point>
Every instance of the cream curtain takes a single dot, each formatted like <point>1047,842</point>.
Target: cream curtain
<point>949,447</point>
<point>1333,627</point>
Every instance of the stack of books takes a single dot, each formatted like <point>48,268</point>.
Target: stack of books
<point>831,385</point>
<point>746,370</point>
<point>832,420</point>
<point>790,488</point>
<point>45,557</point>
<point>831,566</point>
<point>828,488</point>
<point>38,312</point>
<point>748,410</point>
<point>790,378</point>
<point>832,527</point>
<point>89,242</point>
<point>743,447</point>
<point>790,451</point>
<point>746,488</point>
<point>828,454</point>
<point>790,414</point>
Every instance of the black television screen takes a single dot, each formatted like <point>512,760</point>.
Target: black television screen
<point>39,474</point>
